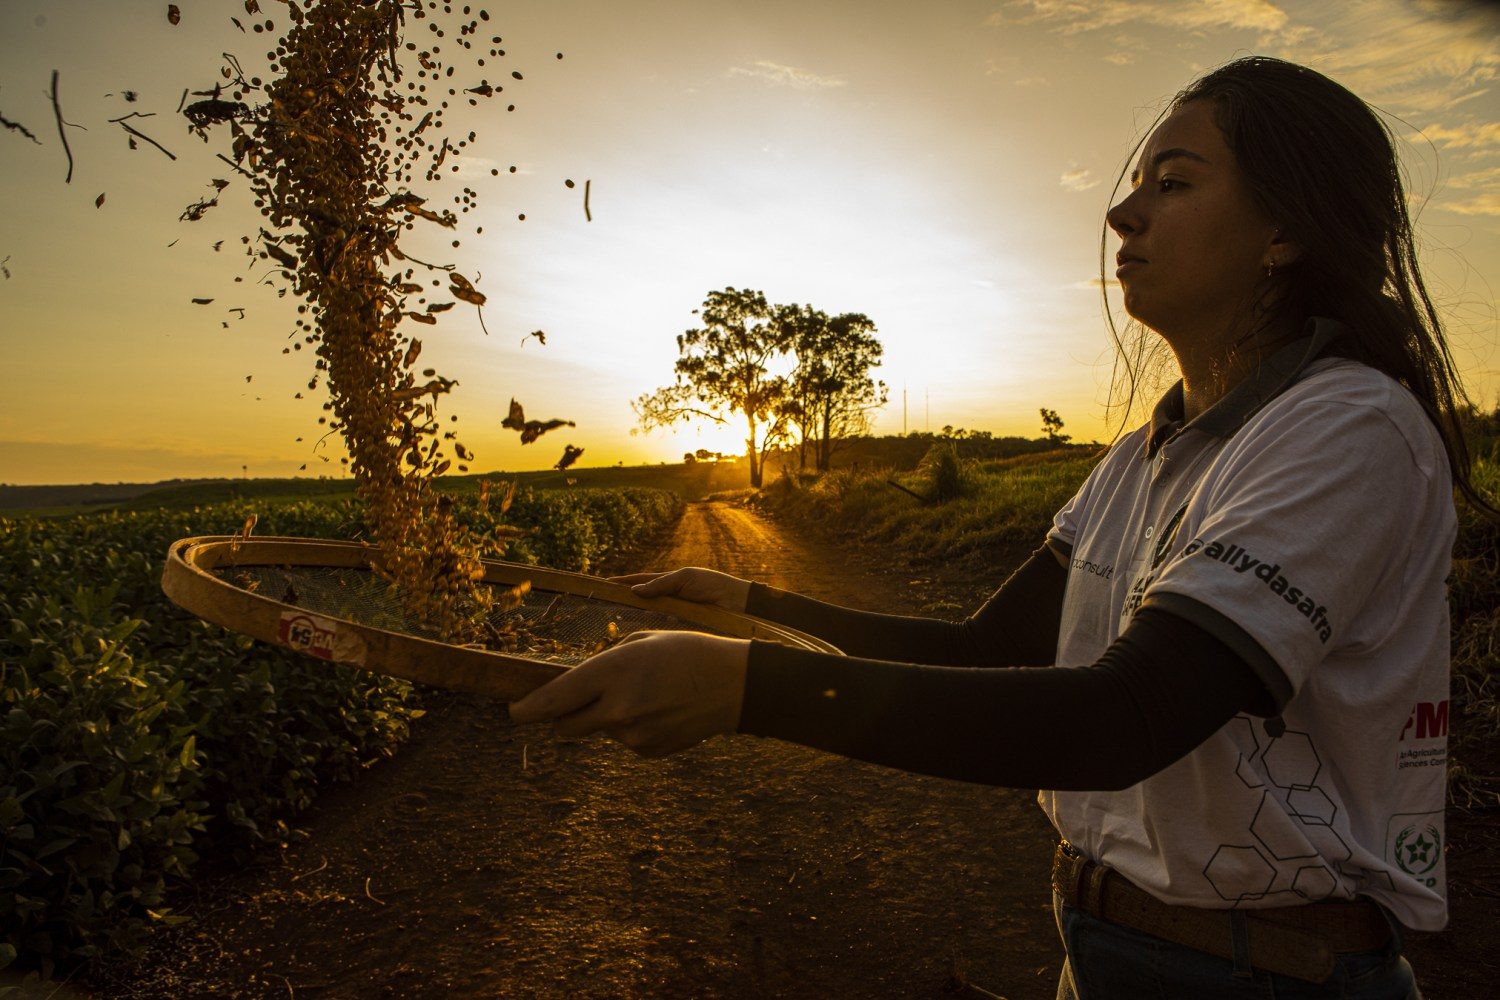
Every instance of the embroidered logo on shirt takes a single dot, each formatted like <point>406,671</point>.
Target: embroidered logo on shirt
<point>1270,574</point>
<point>1167,537</point>
<point>1414,842</point>
<point>1158,556</point>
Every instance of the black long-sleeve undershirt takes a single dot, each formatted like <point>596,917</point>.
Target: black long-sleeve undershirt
<point>1016,627</point>
<point>1163,687</point>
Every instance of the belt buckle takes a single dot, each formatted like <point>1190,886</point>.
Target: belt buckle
<point>1067,873</point>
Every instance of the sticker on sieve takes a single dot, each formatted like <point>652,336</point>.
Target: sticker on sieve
<point>320,637</point>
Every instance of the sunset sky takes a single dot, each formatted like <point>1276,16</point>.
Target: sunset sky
<point>943,168</point>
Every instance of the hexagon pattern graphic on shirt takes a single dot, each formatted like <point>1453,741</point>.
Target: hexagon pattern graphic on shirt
<point>1228,860</point>
<point>1243,770</point>
<point>1294,843</point>
<point>1291,761</point>
<point>1247,774</point>
<point>1314,881</point>
<point>1280,838</point>
<point>1312,806</point>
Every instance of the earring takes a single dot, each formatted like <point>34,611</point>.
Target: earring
<point>1270,267</point>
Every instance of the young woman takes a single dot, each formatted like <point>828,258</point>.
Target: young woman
<point>1233,644</point>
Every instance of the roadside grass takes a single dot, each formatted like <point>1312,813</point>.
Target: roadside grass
<point>1004,508</point>
<point>1474,595</point>
<point>1000,504</point>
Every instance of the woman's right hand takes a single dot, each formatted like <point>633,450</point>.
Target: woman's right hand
<point>692,583</point>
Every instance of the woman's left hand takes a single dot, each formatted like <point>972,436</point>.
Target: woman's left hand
<point>656,692</point>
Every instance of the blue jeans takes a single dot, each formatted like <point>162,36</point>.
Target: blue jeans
<point>1107,961</point>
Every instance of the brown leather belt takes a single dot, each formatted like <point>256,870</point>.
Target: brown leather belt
<point>1298,941</point>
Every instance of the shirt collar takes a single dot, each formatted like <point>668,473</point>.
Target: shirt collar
<point>1270,379</point>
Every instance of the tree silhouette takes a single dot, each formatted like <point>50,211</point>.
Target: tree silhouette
<point>831,392</point>
<point>724,368</point>
<point>1051,425</point>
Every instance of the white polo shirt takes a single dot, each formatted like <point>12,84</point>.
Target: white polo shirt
<point>1310,528</point>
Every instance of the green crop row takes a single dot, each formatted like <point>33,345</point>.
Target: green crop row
<point>134,737</point>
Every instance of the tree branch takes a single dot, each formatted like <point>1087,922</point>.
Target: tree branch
<point>668,405</point>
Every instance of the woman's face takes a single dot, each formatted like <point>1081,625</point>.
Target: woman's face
<point>1193,244</point>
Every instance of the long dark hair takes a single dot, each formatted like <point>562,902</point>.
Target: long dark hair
<point>1321,163</point>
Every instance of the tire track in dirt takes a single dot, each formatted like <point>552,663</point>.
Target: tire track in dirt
<point>503,862</point>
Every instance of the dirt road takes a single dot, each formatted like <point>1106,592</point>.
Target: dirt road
<point>488,860</point>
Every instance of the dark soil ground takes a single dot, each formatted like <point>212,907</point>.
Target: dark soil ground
<point>487,860</point>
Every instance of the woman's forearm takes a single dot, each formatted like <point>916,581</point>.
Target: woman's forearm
<point>1017,626</point>
<point>1158,691</point>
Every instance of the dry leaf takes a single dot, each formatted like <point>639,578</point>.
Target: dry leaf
<point>469,295</point>
<point>569,456</point>
<point>530,429</point>
<point>280,256</point>
<point>201,302</point>
<point>436,387</point>
<point>99,200</point>
<point>173,14</point>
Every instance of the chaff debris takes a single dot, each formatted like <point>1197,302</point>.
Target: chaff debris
<point>18,127</point>
<point>61,133</point>
<point>530,429</point>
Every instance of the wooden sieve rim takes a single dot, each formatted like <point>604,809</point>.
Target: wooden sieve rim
<point>188,581</point>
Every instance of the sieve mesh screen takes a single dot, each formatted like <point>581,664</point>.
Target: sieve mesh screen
<point>547,625</point>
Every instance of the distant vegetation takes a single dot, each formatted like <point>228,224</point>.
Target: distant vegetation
<point>689,483</point>
<point>790,374</point>
<point>707,473</point>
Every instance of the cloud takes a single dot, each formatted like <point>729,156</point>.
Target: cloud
<point>1071,17</point>
<point>1480,193</point>
<point>1487,178</point>
<point>1487,203</point>
<point>787,76</point>
<point>1471,135</point>
<point>1077,178</point>
<point>1028,82</point>
<point>1426,56</point>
